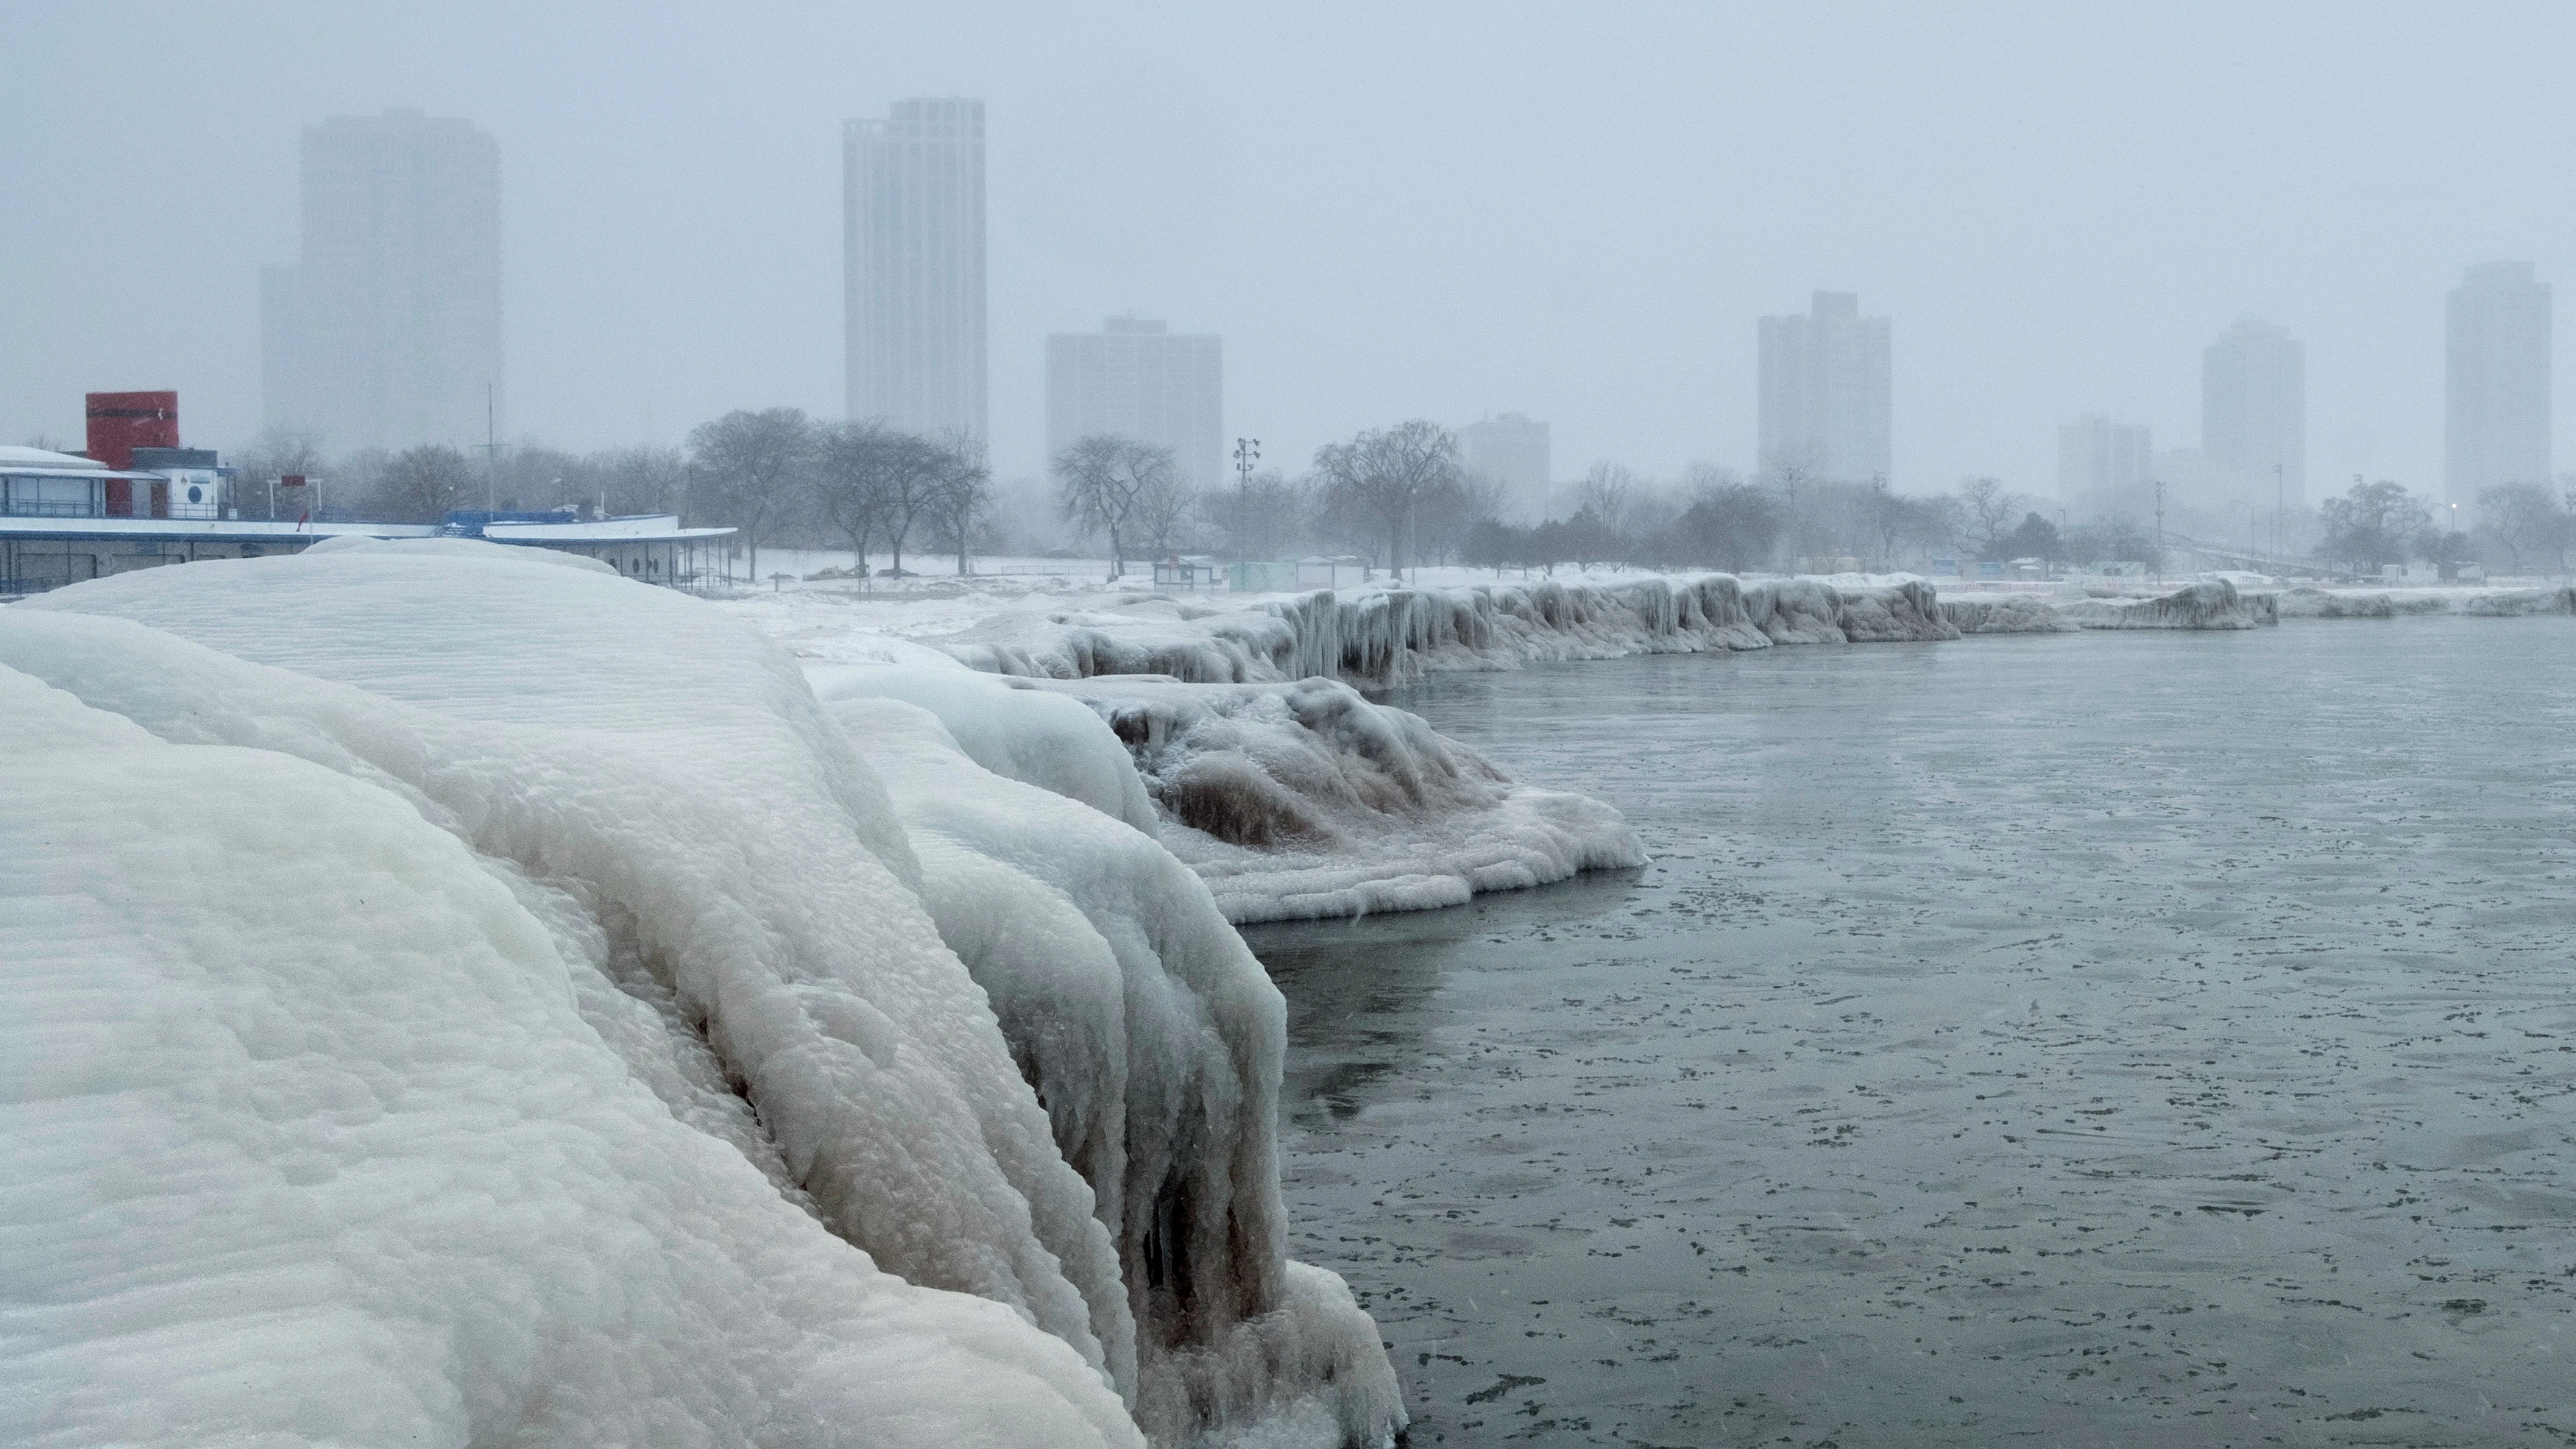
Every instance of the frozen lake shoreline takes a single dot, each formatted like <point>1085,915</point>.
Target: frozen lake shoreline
<point>1996,1051</point>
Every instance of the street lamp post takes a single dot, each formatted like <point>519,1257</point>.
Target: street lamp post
<point>2160,530</point>
<point>2280,509</point>
<point>1247,451</point>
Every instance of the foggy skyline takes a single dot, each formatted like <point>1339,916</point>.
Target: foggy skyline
<point>1447,214</point>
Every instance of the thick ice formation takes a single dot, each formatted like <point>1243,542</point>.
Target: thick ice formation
<point>1304,800</point>
<point>2212,605</point>
<point>309,1144</point>
<point>2512,602</point>
<point>734,900</point>
<point>2004,614</point>
<point>1153,1038</point>
<point>1383,636</point>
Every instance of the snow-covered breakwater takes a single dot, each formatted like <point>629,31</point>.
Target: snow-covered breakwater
<point>1377,638</point>
<point>444,1021</point>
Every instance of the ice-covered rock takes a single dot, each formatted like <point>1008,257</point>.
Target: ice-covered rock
<point>1305,799</point>
<point>740,910</point>
<point>2214,604</point>
<point>2510,602</point>
<point>2004,614</point>
<point>2310,603</point>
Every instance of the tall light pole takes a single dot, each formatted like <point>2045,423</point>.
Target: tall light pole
<point>2160,530</point>
<point>1247,451</point>
<point>2280,509</point>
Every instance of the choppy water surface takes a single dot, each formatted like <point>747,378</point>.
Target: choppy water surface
<point>2068,1040</point>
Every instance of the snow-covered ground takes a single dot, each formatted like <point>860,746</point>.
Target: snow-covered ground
<point>466,997</point>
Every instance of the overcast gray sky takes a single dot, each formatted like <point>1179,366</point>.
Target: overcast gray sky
<point>1444,211</point>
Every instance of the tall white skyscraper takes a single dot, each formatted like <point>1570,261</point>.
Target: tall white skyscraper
<point>2105,466</point>
<point>1138,379</point>
<point>1824,405</point>
<point>1512,450</point>
<point>912,200</point>
<point>2498,380</point>
<point>2254,413</point>
<point>388,332</point>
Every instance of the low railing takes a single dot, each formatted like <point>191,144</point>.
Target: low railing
<point>50,508</point>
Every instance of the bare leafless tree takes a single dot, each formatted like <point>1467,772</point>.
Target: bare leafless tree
<point>752,468</point>
<point>1101,481</point>
<point>1991,513</point>
<point>1259,517</point>
<point>962,493</point>
<point>1387,473</point>
<point>421,485</point>
<point>1608,491</point>
<point>643,479</point>
<point>846,485</point>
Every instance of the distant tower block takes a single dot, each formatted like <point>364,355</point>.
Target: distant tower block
<point>2498,380</point>
<point>1138,379</point>
<point>1511,449</point>
<point>912,208</point>
<point>387,333</point>
<point>1825,410</point>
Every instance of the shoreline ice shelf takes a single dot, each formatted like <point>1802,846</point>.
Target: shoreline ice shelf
<point>451,1024</point>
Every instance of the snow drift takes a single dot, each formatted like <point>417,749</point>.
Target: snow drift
<point>791,1060</point>
<point>1377,638</point>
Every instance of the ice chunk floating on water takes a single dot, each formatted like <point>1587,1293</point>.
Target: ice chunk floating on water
<point>692,1075</point>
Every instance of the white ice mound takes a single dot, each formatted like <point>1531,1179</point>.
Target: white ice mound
<point>308,1143</point>
<point>1153,1037</point>
<point>734,899</point>
<point>1305,800</point>
<point>2211,605</point>
<point>1034,736</point>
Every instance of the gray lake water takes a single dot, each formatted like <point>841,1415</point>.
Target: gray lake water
<point>2148,1039</point>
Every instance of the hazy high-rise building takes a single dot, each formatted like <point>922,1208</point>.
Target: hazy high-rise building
<point>912,205</point>
<point>1512,450</point>
<point>1824,405</point>
<point>2498,378</point>
<point>2254,413</point>
<point>1139,379</point>
<point>2105,465</point>
<point>388,332</point>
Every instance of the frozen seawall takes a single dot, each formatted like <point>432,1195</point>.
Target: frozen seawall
<point>573,1048</point>
<point>1377,638</point>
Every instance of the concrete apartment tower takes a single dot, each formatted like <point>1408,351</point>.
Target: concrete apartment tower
<point>2498,377</point>
<point>1139,379</point>
<point>1512,450</point>
<point>912,202</point>
<point>2105,466</point>
<point>1824,404</point>
<point>2254,414</point>
<point>387,333</point>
